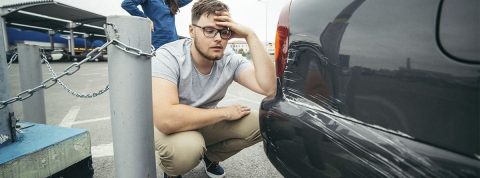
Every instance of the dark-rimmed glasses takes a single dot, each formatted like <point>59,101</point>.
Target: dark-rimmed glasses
<point>211,32</point>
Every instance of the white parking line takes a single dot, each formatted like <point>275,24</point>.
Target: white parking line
<point>102,150</point>
<point>70,117</point>
<point>91,120</point>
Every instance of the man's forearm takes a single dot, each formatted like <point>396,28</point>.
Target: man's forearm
<point>179,117</point>
<point>264,68</point>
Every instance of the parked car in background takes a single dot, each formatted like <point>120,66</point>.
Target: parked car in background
<point>376,88</point>
<point>59,50</point>
<point>11,55</point>
<point>55,55</point>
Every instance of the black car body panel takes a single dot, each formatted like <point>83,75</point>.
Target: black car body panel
<point>370,91</point>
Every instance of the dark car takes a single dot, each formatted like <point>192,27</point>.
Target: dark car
<point>376,88</point>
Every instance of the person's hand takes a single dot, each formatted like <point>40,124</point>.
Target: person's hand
<point>223,19</point>
<point>234,112</point>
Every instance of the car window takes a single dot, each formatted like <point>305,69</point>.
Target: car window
<point>459,30</point>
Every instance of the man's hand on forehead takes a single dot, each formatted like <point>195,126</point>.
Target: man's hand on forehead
<point>222,16</point>
<point>222,13</point>
<point>223,19</point>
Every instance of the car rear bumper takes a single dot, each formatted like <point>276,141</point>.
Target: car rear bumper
<point>304,142</point>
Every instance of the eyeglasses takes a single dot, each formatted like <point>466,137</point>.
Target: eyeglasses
<point>211,32</point>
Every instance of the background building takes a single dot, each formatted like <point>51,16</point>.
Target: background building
<point>240,46</point>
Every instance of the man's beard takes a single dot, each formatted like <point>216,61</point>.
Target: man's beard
<point>205,55</point>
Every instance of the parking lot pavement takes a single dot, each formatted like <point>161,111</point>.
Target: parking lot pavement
<point>93,114</point>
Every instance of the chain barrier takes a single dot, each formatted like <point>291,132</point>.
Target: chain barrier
<point>74,93</point>
<point>72,69</point>
<point>12,59</point>
<point>122,46</point>
<point>132,50</point>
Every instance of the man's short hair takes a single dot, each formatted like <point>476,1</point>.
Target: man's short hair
<point>206,6</point>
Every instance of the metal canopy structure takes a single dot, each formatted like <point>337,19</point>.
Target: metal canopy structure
<point>45,16</point>
<point>42,15</point>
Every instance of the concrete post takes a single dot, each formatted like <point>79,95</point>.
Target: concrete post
<point>30,77</point>
<point>71,43</point>
<point>5,129</point>
<point>51,35</point>
<point>5,34</point>
<point>131,99</point>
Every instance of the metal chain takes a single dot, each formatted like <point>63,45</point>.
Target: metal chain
<point>12,59</point>
<point>72,69</point>
<point>80,95</point>
<point>132,50</point>
<point>54,79</point>
<point>122,46</point>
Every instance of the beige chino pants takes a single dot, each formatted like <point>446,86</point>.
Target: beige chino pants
<point>180,152</point>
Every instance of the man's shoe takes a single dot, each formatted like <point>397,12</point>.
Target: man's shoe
<point>213,169</point>
<point>166,176</point>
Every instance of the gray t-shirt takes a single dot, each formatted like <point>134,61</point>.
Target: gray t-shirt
<point>173,62</point>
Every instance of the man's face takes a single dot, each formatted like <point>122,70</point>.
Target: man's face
<point>210,48</point>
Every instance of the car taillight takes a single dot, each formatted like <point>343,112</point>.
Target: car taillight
<point>281,41</point>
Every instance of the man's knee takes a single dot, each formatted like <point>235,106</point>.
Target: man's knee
<point>181,154</point>
<point>251,129</point>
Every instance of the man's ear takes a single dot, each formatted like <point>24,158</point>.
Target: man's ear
<point>190,30</point>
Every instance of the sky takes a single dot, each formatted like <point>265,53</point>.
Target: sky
<point>256,14</point>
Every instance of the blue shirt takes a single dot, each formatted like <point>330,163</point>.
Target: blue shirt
<point>164,30</point>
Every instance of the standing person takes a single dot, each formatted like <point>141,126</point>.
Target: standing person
<point>161,13</point>
<point>189,78</point>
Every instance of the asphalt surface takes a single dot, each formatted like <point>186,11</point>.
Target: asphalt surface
<point>93,114</point>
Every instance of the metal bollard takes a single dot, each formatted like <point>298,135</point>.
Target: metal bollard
<point>5,128</point>
<point>30,77</point>
<point>131,99</point>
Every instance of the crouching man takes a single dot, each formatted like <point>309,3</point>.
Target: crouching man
<point>190,76</point>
